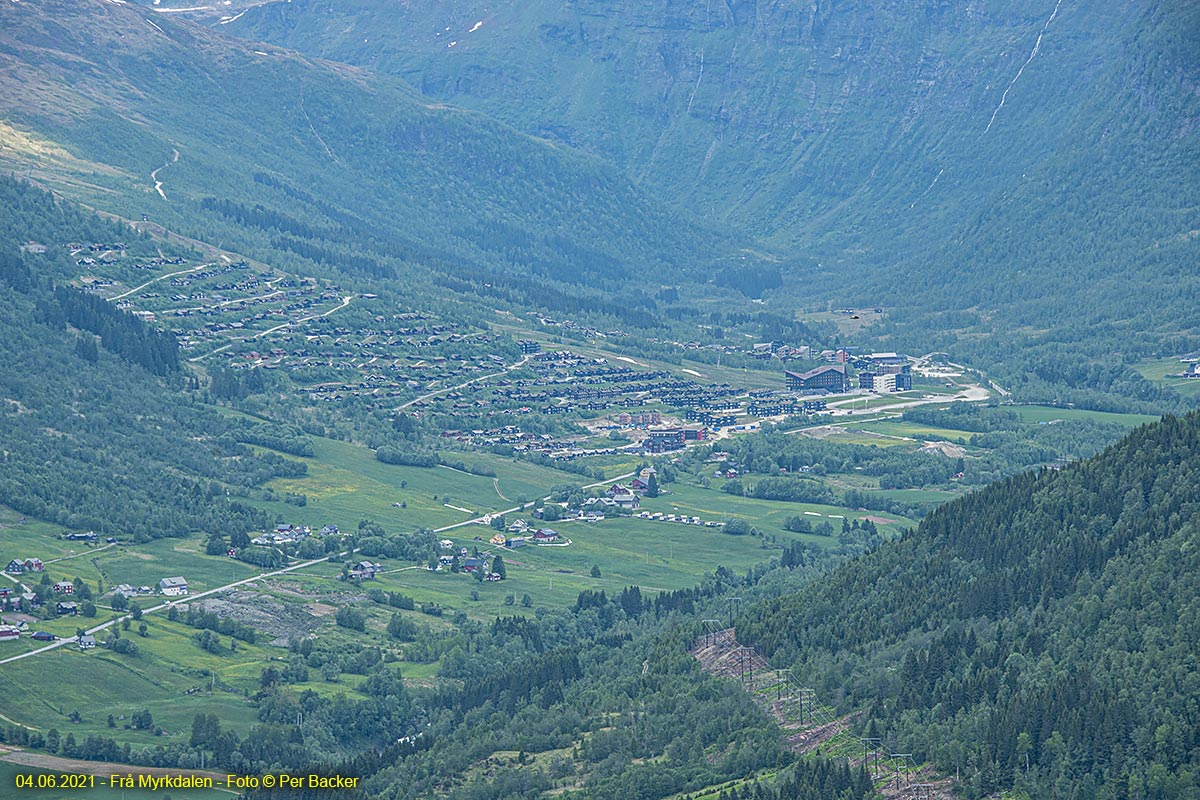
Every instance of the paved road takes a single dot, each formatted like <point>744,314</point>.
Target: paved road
<point>480,519</point>
<point>137,289</point>
<point>102,626</point>
<point>96,629</point>
<point>84,553</point>
<point>972,394</point>
<point>518,365</point>
<point>289,324</point>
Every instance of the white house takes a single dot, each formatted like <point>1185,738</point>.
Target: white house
<point>173,587</point>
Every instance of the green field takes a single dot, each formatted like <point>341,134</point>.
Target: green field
<point>628,551</point>
<point>798,423</point>
<point>146,564</point>
<point>656,555</point>
<point>873,401</point>
<point>38,539</point>
<point>857,433</point>
<point>1166,371</point>
<point>916,430</point>
<point>345,483</point>
<point>42,691</point>
<point>767,515</point>
<point>1050,414</point>
<point>916,496</point>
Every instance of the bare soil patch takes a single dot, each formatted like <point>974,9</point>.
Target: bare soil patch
<point>945,448</point>
<point>265,613</point>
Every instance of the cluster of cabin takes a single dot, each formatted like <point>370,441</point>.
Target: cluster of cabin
<point>387,363</point>
<point>20,597</point>
<point>521,533</point>
<point>567,382</point>
<point>394,358</point>
<point>287,533</point>
<point>586,331</point>
<point>19,566</point>
<point>362,571</point>
<point>225,321</point>
<point>467,564</point>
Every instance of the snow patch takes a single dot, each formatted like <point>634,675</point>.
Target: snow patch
<point>476,26</point>
<point>234,18</point>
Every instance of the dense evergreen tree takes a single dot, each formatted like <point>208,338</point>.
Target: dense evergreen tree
<point>1033,635</point>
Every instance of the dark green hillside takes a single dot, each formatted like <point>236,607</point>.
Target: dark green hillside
<point>1024,174</point>
<point>833,120</point>
<point>91,438</point>
<point>292,160</point>
<point>1040,634</point>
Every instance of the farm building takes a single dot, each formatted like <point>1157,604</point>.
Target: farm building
<point>173,587</point>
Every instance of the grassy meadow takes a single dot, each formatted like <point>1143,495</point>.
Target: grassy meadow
<point>1166,371</point>
<point>174,678</point>
<point>1047,414</point>
<point>345,483</point>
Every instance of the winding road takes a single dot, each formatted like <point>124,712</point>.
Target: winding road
<point>174,157</point>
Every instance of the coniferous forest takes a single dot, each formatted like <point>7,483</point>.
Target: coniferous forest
<point>1036,635</point>
<point>516,384</point>
<point>93,436</point>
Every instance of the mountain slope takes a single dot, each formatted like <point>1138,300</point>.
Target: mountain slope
<point>148,114</point>
<point>831,120</point>
<point>1039,634</point>
<point>92,439</point>
<point>1021,174</point>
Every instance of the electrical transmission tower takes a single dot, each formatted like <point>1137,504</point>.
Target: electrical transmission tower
<point>903,764</point>
<point>712,629</point>
<point>734,604</point>
<point>871,753</point>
